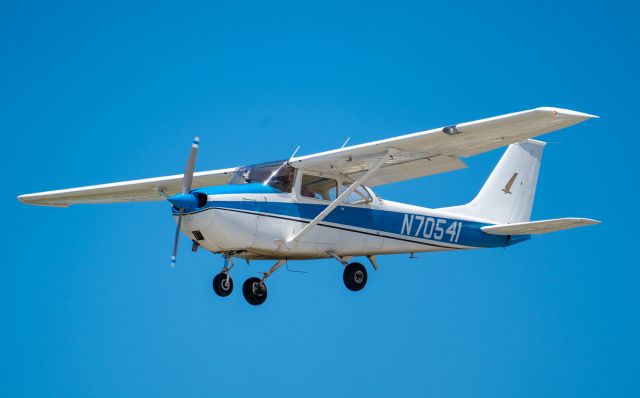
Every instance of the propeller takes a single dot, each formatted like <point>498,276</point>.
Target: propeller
<point>185,200</point>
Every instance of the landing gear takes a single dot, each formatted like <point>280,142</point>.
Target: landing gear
<point>223,284</point>
<point>254,291</point>
<point>355,276</point>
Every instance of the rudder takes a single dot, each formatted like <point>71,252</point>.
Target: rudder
<point>507,195</point>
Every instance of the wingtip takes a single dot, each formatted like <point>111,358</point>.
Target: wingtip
<point>586,221</point>
<point>30,199</point>
<point>567,112</point>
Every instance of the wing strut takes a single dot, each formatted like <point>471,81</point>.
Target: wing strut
<point>339,200</point>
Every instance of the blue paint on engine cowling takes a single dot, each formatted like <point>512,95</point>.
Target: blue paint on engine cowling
<point>186,201</point>
<point>198,198</point>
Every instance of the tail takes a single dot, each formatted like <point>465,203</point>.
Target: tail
<point>507,196</point>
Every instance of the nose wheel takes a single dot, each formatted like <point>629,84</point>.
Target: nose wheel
<point>355,276</point>
<point>223,284</point>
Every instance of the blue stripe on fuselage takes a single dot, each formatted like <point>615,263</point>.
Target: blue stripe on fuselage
<point>386,222</point>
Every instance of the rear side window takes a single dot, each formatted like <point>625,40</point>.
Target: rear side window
<point>320,188</point>
<point>358,197</point>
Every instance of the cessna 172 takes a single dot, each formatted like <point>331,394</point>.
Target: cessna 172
<point>322,205</point>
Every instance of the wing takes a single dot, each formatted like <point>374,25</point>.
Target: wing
<point>126,191</point>
<point>438,150</point>
<point>538,227</point>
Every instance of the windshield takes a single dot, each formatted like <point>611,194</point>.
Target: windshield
<point>278,174</point>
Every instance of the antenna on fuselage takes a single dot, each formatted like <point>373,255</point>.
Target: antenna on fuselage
<point>345,143</point>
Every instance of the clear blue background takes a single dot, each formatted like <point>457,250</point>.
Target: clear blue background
<point>101,92</point>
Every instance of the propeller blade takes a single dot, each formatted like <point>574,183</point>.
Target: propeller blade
<point>176,240</point>
<point>178,200</point>
<point>191,165</point>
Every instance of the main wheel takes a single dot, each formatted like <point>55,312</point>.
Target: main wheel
<point>254,291</point>
<point>355,276</point>
<point>221,285</point>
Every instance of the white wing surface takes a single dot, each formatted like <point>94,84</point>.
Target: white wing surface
<point>145,190</point>
<point>413,155</point>
<point>438,150</point>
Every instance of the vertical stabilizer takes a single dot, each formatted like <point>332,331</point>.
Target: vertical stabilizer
<point>507,196</point>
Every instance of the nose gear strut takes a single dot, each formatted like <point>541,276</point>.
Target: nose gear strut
<point>222,283</point>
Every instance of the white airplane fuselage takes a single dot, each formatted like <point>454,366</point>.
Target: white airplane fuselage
<point>254,221</point>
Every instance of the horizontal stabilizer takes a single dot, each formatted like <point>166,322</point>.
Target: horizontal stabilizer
<point>538,227</point>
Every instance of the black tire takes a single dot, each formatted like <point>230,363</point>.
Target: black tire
<point>355,276</point>
<point>254,291</point>
<point>220,285</point>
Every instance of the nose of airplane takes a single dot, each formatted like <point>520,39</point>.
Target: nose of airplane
<point>197,221</point>
<point>186,201</point>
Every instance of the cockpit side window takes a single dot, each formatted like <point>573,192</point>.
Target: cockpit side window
<point>320,188</point>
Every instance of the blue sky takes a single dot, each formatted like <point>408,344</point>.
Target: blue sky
<point>101,92</point>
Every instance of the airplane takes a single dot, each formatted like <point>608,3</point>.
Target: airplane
<point>323,206</point>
